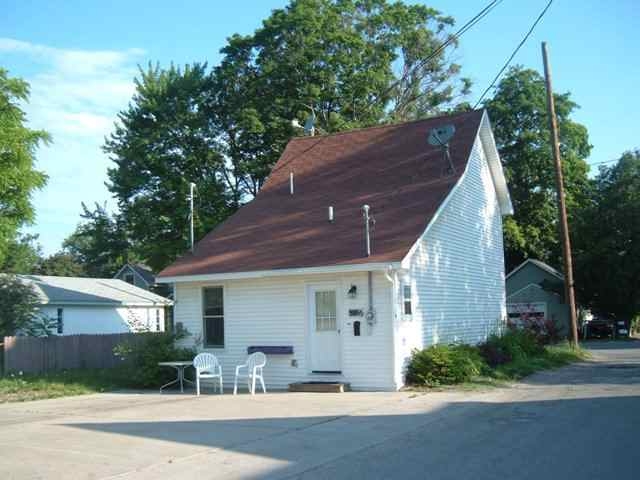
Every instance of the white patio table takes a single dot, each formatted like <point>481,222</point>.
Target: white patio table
<point>180,366</point>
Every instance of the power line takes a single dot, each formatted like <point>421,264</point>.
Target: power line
<point>467,26</point>
<point>462,30</point>
<point>513,54</point>
<point>613,159</point>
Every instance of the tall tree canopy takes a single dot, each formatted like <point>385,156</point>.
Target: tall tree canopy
<point>353,63</point>
<point>518,113</point>
<point>164,141</point>
<point>61,264</point>
<point>99,244</point>
<point>18,145</point>
<point>607,241</point>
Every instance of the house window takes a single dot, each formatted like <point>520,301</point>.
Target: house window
<point>406,300</point>
<point>213,317</point>
<point>157,320</point>
<point>59,322</point>
<point>128,277</point>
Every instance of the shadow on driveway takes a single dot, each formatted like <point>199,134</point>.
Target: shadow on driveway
<point>563,438</point>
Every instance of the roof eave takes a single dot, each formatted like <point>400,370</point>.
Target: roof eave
<point>212,277</point>
<point>495,165</point>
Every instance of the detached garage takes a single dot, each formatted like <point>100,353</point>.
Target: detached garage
<point>536,290</point>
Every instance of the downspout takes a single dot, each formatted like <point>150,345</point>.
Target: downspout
<point>390,275</point>
<point>371,313</point>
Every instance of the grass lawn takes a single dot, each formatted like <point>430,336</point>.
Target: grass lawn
<point>20,388</point>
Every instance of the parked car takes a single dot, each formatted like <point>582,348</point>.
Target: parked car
<point>605,327</point>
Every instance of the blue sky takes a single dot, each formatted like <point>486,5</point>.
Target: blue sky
<point>80,58</point>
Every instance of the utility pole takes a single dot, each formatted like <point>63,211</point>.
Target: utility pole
<point>192,186</point>
<point>564,225</point>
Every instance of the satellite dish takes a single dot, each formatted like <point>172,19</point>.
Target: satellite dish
<point>310,125</point>
<point>440,136</point>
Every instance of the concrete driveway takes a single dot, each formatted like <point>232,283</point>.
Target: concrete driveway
<point>582,421</point>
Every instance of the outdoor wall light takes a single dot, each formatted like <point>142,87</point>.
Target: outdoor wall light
<point>353,291</point>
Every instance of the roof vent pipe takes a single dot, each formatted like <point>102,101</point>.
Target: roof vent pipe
<point>367,233</point>
<point>331,218</point>
<point>291,183</point>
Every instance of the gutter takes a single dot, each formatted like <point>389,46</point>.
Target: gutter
<point>207,277</point>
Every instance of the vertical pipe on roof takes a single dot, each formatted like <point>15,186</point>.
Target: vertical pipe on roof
<point>367,234</point>
<point>291,183</point>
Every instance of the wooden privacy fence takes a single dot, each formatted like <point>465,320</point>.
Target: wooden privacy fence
<point>46,354</point>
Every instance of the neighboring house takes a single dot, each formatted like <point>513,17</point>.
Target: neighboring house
<point>534,289</point>
<point>284,274</point>
<point>139,275</point>
<point>97,305</point>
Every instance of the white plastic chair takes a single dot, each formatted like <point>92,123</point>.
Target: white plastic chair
<point>253,367</point>
<point>207,366</point>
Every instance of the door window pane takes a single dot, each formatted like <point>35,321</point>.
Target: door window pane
<point>326,318</point>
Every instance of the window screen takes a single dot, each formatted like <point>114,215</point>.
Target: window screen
<point>406,297</point>
<point>60,322</point>
<point>213,317</point>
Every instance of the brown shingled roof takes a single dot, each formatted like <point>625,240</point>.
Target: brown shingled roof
<point>392,168</point>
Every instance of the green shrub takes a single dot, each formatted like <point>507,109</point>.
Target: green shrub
<point>515,344</point>
<point>140,360</point>
<point>445,365</point>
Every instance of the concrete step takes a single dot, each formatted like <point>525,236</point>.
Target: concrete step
<point>319,387</point>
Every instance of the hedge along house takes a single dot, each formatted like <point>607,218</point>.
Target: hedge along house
<point>289,273</point>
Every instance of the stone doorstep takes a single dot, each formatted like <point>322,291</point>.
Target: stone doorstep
<point>320,387</point>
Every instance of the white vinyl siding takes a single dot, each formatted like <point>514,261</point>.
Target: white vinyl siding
<point>457,269</point>
<point>273,311</point>
<point>91,320</point>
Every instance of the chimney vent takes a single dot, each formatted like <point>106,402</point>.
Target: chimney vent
<point>291,183</point>
<point>331,217</point>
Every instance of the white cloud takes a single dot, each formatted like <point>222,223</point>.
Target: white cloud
<point>76,96</point>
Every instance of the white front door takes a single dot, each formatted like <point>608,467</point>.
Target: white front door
<point>324,329</point>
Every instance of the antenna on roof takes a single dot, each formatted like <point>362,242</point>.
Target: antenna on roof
<point>192,188</point>
<point>440,137</point>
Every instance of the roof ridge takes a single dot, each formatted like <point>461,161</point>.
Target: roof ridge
<point>386,125</point>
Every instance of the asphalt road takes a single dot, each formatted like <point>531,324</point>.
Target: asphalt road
<point>580,422</point>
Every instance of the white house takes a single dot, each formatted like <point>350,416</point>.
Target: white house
<point>290,274</point>
<point>97,305</point>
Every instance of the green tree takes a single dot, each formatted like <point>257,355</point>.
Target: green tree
<point>354,63</point>
<point>518,114</point>
<point>99,243</point>
<point>607,241</point>
<point>163,141</point>
<point>18,145</point>
<point>23,254</point>
<point>18,306</point>
<point>61,264</point>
